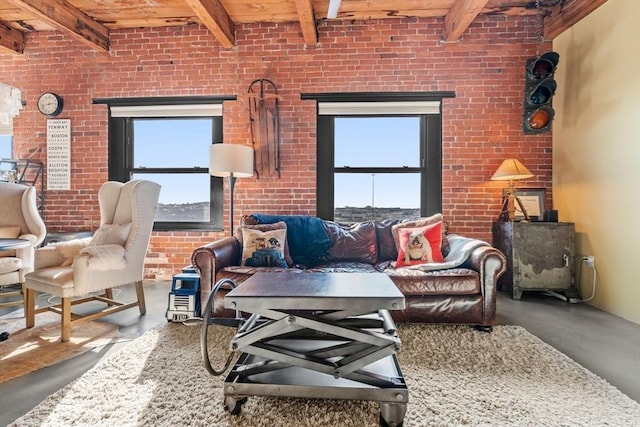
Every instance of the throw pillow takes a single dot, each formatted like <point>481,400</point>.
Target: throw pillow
<point>265,227</point>
<point>263,248</point>
<point>111,234</point>
<point>420,245</point>
<point>9,232</point>
<point>421,222</point>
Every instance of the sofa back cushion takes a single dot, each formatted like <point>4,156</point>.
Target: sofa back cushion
<point>387,249</point>
<point>355,242</point>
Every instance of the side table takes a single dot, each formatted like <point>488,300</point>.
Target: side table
<point>540,257</point>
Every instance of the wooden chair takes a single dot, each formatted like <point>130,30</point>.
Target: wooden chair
<point>85,270</point>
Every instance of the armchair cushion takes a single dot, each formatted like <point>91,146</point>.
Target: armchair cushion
<point>9,264</point>
<point>103,257</point>
<point>111,234</point>
<point>9,232</point>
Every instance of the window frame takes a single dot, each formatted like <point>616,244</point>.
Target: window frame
<point>121,140</point>
<point>367,105</point>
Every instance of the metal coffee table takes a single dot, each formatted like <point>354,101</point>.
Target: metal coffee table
<point>318,335</point>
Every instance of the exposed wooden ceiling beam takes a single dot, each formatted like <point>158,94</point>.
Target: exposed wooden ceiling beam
<point>11,40</point>
<point>215,17</point>
<point>307,21</point>
<point>65,17</point>
<point>460,16</point>
<point>565,15</point>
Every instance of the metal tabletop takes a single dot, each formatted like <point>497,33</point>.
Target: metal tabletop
<point>362,292</point>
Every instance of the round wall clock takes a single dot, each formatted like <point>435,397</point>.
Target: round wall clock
<point>50,104</point>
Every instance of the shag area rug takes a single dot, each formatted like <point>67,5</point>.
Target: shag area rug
<point>456,377</point>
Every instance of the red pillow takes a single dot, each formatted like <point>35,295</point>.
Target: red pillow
<point>420,245</point>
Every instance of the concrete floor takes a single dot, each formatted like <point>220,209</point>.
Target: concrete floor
<point>605,344</point>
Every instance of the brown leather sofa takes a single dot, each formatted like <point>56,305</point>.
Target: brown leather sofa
<point>462,292</point>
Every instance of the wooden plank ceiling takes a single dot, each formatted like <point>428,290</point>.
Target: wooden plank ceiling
<point>90,21</point>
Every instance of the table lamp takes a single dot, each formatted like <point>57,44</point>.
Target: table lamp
<point>511,170</point>
<point>231,161</point>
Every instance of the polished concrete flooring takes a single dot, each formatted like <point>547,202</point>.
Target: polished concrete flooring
<point>605,344</point>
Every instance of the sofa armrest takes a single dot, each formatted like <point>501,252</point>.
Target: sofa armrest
<point>209,259</point>
<point>490,264</point>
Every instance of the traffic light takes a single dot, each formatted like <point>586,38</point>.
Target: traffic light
<point>538,90</point>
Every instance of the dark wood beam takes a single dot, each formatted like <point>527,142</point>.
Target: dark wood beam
<point>567,14</point>
<point>63,16</point>
<point>11,40</point>
<point>215,17</point>
<point>307,21</point>
<point>460,16</point>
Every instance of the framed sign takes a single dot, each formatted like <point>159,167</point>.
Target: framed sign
<point>533,200</point>
<point>58,154</point>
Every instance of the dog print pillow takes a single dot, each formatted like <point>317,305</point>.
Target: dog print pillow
<point>263,248</point>
<point>419,245</point>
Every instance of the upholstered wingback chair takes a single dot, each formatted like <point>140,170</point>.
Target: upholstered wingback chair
<point>113,257</point>
<point>19,218</point>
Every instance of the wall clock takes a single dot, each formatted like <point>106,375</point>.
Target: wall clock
<point>50,104</point>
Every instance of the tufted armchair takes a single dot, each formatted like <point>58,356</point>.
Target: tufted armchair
<point>84,270</point>
<point>19,218</point>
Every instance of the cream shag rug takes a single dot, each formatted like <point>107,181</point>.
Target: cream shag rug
<point>456,376</point>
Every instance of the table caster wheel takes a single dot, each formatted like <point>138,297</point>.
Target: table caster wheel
<point>233,405</point>
<point>384,423</point>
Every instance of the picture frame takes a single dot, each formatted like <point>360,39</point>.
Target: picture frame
<point>533,200</point>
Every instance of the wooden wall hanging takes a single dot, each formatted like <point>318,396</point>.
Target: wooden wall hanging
<point>265,127</point>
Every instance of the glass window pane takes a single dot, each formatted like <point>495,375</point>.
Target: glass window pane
<point>377,141</point>
<point>364,196</point>
<point>176,204</point>
<point>5,146</point>
<point>172,143</point>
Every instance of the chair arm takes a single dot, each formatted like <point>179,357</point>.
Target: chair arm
<point>209,259</point>
<point>48,256</point>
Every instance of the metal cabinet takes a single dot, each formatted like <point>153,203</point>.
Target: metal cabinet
<point>540,257</point>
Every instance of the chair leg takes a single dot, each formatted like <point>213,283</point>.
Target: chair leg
<point>140,293</point>
<point>65,322</point>
<point>108,293</point>
<point>30,307</point>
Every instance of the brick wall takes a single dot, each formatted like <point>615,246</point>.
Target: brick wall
<point>482,124</point>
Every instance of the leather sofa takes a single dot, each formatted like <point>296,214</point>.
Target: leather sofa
<point>462,292</point>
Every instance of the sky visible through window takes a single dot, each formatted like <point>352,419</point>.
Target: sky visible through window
<point>377,142</point>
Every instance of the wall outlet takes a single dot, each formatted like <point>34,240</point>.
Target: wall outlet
<point>589,259</point>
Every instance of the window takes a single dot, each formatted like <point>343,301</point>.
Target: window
<point>169,144</point>
<point>5,146</point>
<point>378,157</point>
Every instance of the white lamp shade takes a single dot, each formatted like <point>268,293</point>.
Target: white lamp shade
<point>228,159</point>
<point>511,169</point>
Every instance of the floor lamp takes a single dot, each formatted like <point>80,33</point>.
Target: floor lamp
<point>231,161</point>
<point>511,170</point>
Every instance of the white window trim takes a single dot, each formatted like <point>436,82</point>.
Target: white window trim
<point>186,110</point>
<point>380,108</point>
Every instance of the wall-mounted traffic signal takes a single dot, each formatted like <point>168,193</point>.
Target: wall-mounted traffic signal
<point>538,91</point>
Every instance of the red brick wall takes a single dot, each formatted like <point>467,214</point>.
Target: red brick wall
<point>482,124</point>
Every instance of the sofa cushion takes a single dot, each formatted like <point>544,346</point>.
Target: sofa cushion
<point>307,236</point>
<point>356,242</point>
<point>419,245</point>
<point>263,248</point>
<point>343,267</point>
<point>454,281</point>
<point>387,249</point>
<point>421,222</point>
<point>265,227</point>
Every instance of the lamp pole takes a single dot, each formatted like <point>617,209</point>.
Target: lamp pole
<point>232,183</point>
